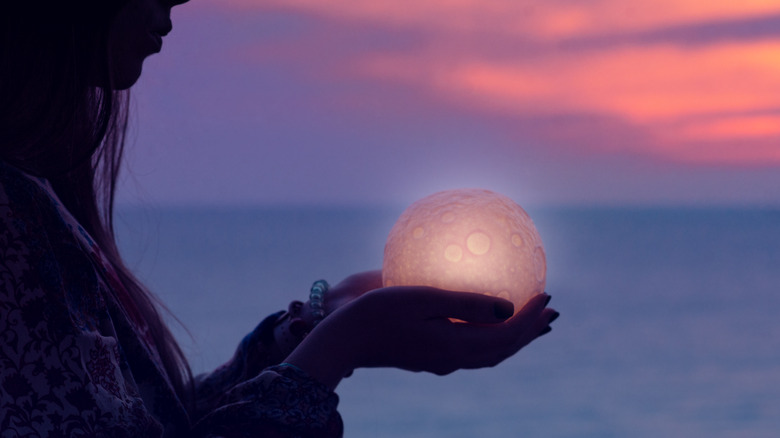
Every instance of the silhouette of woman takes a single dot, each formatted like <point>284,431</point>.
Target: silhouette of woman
<point>83,348</point>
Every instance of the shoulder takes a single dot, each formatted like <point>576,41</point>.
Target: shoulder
<point>27,210</point>
<point>17,189</point>
<point>24,242</point>
<point>40,257</point>
<point>61,368</point>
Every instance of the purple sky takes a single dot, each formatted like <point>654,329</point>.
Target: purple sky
<point>274,104</point>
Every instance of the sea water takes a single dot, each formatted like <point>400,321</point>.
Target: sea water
<point>669,317</point>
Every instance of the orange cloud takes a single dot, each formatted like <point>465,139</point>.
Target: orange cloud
<point>677,91</point>
<point>643,85</point>
<point>737,127</point>
<point>552,18</point>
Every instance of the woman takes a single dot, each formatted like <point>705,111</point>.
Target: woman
<point>83,348</point>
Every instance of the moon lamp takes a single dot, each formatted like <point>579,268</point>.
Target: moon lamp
<point>468,240</point>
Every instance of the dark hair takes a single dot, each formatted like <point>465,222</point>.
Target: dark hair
<point>61,119</point>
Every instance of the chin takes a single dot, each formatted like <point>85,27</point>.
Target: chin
<point>126,78</point>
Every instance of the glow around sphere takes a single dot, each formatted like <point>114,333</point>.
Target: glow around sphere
<point>468,240</point>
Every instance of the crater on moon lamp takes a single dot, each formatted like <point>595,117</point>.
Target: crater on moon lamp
<point>469,240</point>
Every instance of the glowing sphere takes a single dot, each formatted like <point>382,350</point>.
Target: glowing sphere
<point>467,240</point>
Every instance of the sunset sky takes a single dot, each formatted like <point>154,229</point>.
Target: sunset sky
<point>375,101</point>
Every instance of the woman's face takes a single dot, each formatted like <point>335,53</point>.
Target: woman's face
<point>137,32</point>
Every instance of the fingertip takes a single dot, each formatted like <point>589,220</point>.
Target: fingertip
<point>538,300</point>
<point>503,309</point>
<point>530,312</point>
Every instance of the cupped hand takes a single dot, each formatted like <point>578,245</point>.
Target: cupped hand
<point>347,290</point>
<point>350,288</point>
<point>410,328</point>
<point>299,319</point>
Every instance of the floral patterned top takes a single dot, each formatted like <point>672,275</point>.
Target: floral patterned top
<point>73,363</point>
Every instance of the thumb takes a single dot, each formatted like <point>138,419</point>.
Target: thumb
<point>467,306</point>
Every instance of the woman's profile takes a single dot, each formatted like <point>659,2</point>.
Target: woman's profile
<point>84,350</point>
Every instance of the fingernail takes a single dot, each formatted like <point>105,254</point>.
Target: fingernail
<point>546,330</point>
<point>547,301</point>
<point>554,317</point>
<point>503,309</point>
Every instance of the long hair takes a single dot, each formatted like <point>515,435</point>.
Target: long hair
<point>61,119</point>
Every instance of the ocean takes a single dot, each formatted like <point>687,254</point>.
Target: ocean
<point>669,317</point>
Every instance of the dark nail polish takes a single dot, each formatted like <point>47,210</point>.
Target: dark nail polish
<point>546,330</point>
<point>554,317</point>
<point>503,310</point>
<point>547,301</point>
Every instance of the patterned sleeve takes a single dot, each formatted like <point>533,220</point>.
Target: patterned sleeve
<point>71,365</point>
<point>59,376</point>
<point>281,402</point>
<point>252,395</point>
<point>254,353</point>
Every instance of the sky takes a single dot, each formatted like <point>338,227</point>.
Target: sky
<point>600,102</point>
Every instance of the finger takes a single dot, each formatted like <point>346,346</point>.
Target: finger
<point>537,328</point>
<point>471,307</point>
<point>548,315</point>
<point>530,311</point>
<point>351,288</point>
<point>489,345</point>
<point>367,280</point>
<point>531,320</point>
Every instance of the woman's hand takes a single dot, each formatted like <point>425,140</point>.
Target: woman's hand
<point>347,290</point>
<point>293,325</point>
<point>350,288</point>
<point>409,328</point>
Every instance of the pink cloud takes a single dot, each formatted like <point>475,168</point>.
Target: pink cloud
<point>521,59</point>
<point>551,19</point>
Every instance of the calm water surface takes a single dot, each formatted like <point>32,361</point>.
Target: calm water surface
<point>669,317</point>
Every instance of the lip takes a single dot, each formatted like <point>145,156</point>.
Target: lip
<point>163,29</point>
